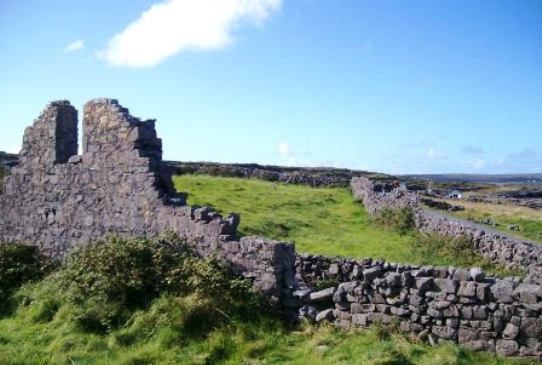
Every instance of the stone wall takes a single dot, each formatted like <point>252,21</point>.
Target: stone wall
<point>433,303</point>
<point>377,195</point>
<point>57,199</point>
<point>493,245</point>
<point>312,176</point>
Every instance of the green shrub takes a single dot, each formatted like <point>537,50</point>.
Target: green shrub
<point>460,249</point>
<point>115,271</point>
<point>400,220</point>
<point>107,281</point>
<point>433,248</point>
<point>18,265</point>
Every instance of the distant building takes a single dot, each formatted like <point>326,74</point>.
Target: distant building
<point>454,194</point>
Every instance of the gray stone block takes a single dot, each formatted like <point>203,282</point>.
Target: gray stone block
<point>325,315</point>
<point>322,295</point>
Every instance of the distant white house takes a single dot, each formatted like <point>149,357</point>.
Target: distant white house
<point>454,194</point>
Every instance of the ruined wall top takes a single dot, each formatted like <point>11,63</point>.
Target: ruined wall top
<point>109,128</point>
<point>53,136</point>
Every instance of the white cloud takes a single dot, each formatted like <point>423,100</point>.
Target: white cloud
<point>431,152</point>
<point>478,163</point>
<point>284,148</point>
<point>288,157</point>
<point>173,26</point>
<point>75,46</point>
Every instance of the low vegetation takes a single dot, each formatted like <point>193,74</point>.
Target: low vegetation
<point>528,220</point>
<point>326,221</point>
<point>107,281</point>
<point>434,248</point>
<point>18,264</point>
<point>139,301</point>
<point>152,302</point>
<point>401,220</point>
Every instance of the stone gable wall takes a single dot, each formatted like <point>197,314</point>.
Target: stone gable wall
<point>493,245</point>
<point>57,199</point>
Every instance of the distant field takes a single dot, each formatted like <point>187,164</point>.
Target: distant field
<point>529,220</point>
<point>318,220</point>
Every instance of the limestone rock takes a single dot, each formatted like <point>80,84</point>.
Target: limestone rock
<point>322,295</point>
<point>325,315</point>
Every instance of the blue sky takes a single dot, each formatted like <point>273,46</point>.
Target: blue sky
<point>392,86</point>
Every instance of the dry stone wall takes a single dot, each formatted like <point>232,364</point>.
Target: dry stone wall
<point>312,176</point>
<point>433,303</point>
<point>493,245</point>
<point>377,196</point>
<point>57,199</point>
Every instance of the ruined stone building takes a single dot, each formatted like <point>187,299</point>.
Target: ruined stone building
<point>57,199</point>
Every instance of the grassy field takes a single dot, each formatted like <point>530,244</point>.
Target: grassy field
<point>529,220</point>
<point>318,220</point>
<point>324,221</point>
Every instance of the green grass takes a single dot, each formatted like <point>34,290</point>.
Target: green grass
<point>324,221</point>
<point>319,220</point>
<point>155,336</point>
